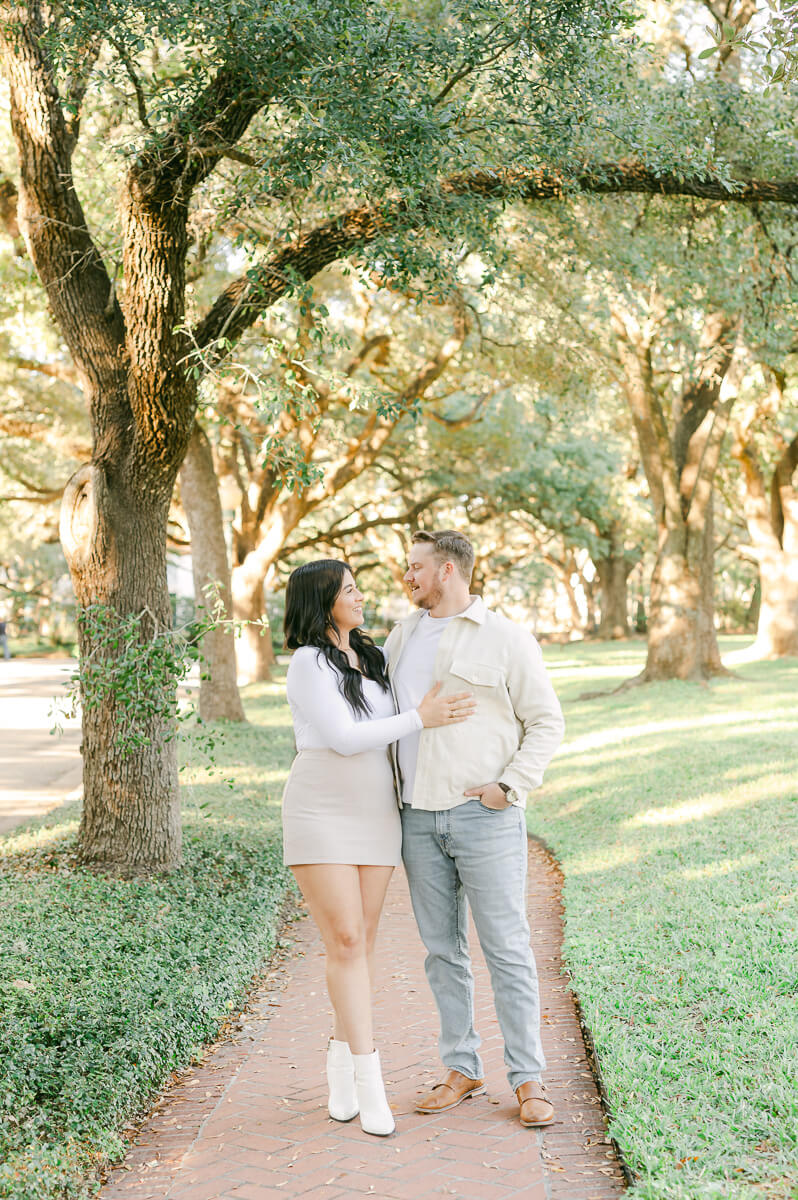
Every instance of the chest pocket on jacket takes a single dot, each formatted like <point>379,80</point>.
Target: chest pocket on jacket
<point>478,674</point>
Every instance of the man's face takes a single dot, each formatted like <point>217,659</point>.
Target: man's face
<point>424,575</point>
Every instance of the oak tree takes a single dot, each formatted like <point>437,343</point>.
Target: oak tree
<point>359,124</point>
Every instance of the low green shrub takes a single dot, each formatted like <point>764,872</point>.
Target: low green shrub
<point>106,985</point>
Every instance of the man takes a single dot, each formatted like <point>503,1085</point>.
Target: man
<point>463,791</point>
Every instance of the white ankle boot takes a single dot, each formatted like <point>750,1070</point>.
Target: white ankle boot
<point>342,1104</point>
<point>375,1112</point>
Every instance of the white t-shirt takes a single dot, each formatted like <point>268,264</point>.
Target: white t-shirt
<point>412,680</point>
<point>323,718</point>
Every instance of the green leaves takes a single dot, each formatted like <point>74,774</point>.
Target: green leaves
<point>132,665</point>
<point>130,979</point>
<point>127,978</point>
<point>362,98</point>
<point>772,43</point>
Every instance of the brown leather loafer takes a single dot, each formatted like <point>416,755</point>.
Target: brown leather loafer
<point>449,1092</point>
<point>535,1108</point>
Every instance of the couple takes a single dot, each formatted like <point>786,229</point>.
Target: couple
<point>462,696</point>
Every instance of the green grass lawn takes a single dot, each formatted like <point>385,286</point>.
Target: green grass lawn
<point>107,986</point>
<point>673,810</point>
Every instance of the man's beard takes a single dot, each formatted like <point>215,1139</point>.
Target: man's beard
<point>435,596</point>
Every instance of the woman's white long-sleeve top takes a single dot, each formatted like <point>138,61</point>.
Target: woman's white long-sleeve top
<point>323,718</point>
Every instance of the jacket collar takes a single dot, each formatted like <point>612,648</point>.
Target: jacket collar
<point>476,612</point>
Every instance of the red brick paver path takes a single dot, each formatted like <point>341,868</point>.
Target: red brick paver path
<point>251,1123</point>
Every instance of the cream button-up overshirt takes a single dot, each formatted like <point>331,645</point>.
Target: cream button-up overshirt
<point>518,724</point>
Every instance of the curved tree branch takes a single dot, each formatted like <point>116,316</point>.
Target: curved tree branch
<point>243,301</point>
<point>460,422</point>
<point>51,218</point>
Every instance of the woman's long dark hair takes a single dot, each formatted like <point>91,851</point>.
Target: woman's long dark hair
<point>309,598</point>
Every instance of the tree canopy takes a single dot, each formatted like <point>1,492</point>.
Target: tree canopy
<point>248,146</point>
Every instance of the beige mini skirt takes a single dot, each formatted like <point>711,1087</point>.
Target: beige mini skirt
<point>341,808</point>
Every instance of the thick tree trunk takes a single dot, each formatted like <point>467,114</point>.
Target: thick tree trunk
<point>777,631</point>
<point>142,401</point>
<point>219,698</point>
<point>114,538</point>
<point>680,466</point>
<point>254,652</point>
<point>682,643</point>
<point>257,557</point>
<point>772,518</point>
<point>613,571</point>
<point>591,620</point>
<point>673,615</point>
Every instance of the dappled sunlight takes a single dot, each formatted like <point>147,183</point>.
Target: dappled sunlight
<point>593,671</point>
<point>718,868</point>
<point>267,689</point>
<point>40,837</point>
<point>576,805</point>
<point>268,818</point>
<point>276,775</point>
<point>586,652</point>
<point>244,776</point>
<point>230,800</point>
<point>771,720</point>
<point>708,805</point>
<point>217,790</point>
<point>738,658</point>
<point>609,858</point>
<point>621,764</point>
<point>744,654</point>
<point>673,827</point>
<point>569,664</point>
<point>272,718</point>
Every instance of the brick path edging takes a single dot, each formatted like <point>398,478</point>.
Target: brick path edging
<point>630,1178</point>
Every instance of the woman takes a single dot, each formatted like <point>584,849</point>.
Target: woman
<point>341,827</point>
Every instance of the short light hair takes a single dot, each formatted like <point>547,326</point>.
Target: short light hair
<point>449,546</point>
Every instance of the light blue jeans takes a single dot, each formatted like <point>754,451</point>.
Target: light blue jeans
<point>473,855</point>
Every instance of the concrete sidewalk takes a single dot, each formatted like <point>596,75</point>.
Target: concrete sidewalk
<point>251,1123</point>
<point>38,769</point>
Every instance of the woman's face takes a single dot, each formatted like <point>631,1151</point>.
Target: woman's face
<point>347,612</point>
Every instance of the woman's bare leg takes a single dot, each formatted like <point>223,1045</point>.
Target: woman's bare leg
<point>333,895</point>
<point>373,888</point>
